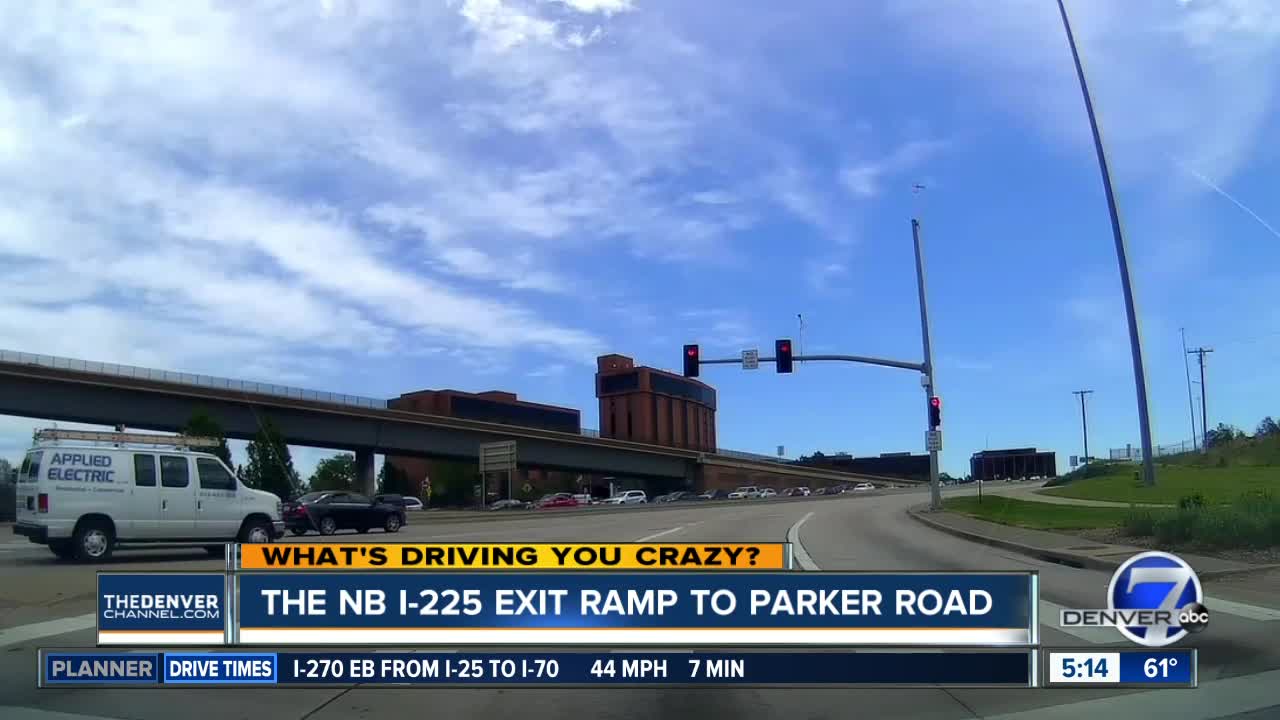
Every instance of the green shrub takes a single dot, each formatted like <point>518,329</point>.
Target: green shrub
<point>1138,522</point>
<point>1173,527</point>
<point>1191,502</point>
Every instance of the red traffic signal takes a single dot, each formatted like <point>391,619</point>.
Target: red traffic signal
<point>691,358</point>
<point>782,355</point>
<point>935,412</point>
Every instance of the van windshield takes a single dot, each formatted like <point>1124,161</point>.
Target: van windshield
<point>30,471</point>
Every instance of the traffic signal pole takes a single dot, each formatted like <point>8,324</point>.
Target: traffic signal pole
<point>926,368</point>
<point>930,381</point>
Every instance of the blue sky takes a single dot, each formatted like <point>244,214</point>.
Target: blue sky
<point>377,197</point>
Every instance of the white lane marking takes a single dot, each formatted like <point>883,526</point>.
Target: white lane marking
<point>797,548</point>
<point>13,712</point>
<point>1249,612</point>
<point>48,628</point>
<point>1219,698</point>
<point>655,536</point>
<point>1051,615</point>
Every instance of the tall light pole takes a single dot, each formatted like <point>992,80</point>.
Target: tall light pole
<point>1084,420</point>
<point>1122,255</point>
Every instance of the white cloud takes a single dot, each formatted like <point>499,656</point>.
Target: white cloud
<point>1195,80</point>
<point>865,179</point>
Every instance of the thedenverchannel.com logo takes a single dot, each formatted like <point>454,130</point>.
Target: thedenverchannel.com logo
<point>1154,599</point>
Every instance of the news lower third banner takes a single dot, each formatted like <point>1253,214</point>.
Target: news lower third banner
<point>628,609</point>
<point>966,668</point>
<point>514,556</point>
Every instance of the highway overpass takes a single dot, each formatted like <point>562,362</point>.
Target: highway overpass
<point>42,386</point>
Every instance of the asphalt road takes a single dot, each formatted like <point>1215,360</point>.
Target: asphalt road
<point>44,603</point>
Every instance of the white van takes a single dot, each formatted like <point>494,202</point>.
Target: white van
<point>83,493</point>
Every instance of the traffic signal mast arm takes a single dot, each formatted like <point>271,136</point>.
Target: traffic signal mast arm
<point>918,367</point>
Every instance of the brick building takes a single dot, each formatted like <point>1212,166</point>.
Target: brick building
<point>495,407</point>
<point>1013,464</point>
<point>647,405</point>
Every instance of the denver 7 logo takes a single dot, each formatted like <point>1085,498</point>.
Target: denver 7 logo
<point>1155,581</point>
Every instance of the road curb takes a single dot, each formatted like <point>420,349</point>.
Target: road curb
<point>1056,556</point>
<point>1087,562</point>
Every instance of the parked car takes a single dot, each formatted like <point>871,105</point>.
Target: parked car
<point>329,511</point>
<point>714,495</point>
<point>745,492</point>
<point>768,493</point>
<point>678,496</point>
<point>558,500</point>
<point>628,497</point>
<point>796,492</point>
<point>510,505</point>
<point>584,499</point>
<point>413,504</point>
<point>863,487</point>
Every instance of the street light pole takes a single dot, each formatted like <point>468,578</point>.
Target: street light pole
<point>1084,420</point>
<point>1122,255</point>
<point>930,382</point>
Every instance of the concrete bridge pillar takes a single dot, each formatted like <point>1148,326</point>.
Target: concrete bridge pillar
<point>366,479</point>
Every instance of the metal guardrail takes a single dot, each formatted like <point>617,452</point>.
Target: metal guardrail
<point>192,379</point>
<point>220,383</point>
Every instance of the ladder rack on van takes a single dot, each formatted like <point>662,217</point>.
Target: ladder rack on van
<point>126,438</point>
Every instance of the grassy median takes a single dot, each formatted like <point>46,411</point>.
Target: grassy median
<point>1035,515</point>
<point>1251,520</point>
<point>1173,482</point>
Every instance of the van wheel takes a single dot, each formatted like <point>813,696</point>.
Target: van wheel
<point>328,526</point>
<point>92,542</point>
<point>256,532</point>
<point>392,524</point>
<point>61,549</point>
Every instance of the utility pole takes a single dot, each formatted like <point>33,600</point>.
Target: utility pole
<point>1084,420</point>
<point>1204,407</point>
<point>1191,403</point>
<point>1122,258</point>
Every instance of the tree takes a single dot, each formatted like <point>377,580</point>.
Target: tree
<point>393,480</point>
<point>334,473</point>
<point>202,424</point>
<point>1224,434</point>
<point>1267,428</point>
<point>6,471</point>
<point>270,466</point>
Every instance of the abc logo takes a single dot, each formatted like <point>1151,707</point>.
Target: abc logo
<point>1165,585</point>
<point>1194,618</point>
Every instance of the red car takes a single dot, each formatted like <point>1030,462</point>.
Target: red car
<point>558,500</point>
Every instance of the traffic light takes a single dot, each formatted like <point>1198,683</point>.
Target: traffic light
<point>935,412</point>
<point>691,358</point>
<point>782,354</point>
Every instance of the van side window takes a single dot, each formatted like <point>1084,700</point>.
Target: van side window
<point>30,467</point>
<point>173,471</point>
<point>213,476</point>
<point>144,470</point>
